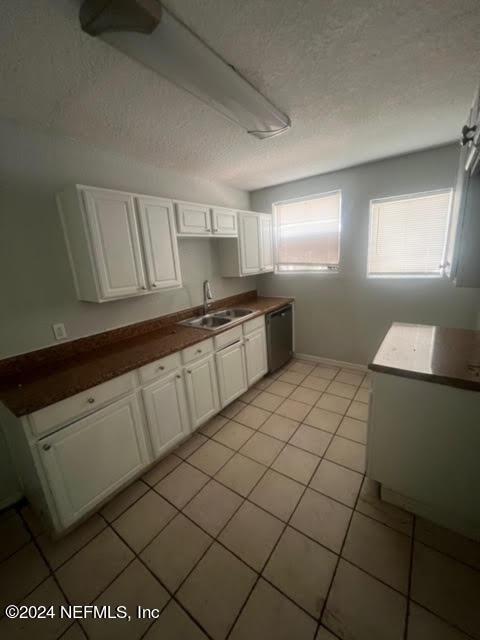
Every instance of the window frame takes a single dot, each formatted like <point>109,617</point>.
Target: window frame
<point>327,271</point>
<point>411,275</point>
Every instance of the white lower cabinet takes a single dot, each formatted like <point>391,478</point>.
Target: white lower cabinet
<point>90,459</point>
<point>71,471</point>
<point>167,413</point>
<point>231,371</point>
<point>202,390</point>
<point>256,355</point>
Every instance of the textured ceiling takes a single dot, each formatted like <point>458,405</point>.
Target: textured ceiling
<point>360,79</point>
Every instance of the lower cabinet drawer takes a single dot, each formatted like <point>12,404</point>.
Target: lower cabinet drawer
<point>68,410</point>
<point>253,325</point>
<point>158,368</point>
<point>228,337</point>
<point>196,351</point>
<point>87,461</point>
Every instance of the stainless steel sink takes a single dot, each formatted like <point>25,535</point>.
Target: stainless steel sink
<point>219,319</point>
<point>211,322</point>
<point>234,313</point>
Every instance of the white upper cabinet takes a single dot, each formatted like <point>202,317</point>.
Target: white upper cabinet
<point>252,252</point>
<point>249,239</point>
<point>266,242</point>
<point>224,222</point>
<point>193,219</point>
<point>104,233</point>
<point>159,242</point>
<point>115,242</point>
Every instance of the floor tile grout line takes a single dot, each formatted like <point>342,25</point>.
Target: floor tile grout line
<point>279,472</point>
<point>337,564</point>
<point>244,499</point>
<point>444,620</point>
<point>271,552</point>
<point>137,556</point>
<point>52,573</point>
<point>310,487</point>
<point>150,488</point>
<point>410,578</point>
<point>216,539</point>
<point>117,575</point>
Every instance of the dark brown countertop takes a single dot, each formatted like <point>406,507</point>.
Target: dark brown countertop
<point>434,354</point>
<point>33,381</point>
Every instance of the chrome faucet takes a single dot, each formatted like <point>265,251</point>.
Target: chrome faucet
<point>207,296</point>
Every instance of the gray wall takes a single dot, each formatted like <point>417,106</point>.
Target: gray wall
<point>345,316</point>
<point>36,282</point>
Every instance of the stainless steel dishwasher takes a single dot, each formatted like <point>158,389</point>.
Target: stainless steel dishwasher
<point>279,337</point>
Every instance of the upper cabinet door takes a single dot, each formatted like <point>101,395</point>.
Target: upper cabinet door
<point>159,242</point>
<point>249,237</point>
<point>224,222</point>
<point>266,235</point>
<point>115,242</point>
<point>193,219</point>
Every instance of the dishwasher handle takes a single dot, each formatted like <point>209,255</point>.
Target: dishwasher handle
<point>280,312</point>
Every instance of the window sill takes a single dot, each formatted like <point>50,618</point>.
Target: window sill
<point>406,276</point>
<point>306,273</point>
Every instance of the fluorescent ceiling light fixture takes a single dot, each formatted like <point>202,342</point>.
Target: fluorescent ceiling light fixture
<point>145,31</point>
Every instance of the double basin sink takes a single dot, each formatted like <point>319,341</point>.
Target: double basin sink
<point>219,319</point>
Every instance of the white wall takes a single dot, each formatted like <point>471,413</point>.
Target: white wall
<point>345,316</point>
<point>36,282</point>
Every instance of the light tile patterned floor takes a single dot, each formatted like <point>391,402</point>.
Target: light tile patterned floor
<point>260,526</point>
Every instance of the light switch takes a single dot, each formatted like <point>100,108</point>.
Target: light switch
<point>59,331</point>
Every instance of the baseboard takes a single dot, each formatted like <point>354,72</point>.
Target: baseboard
<point>331,363</point>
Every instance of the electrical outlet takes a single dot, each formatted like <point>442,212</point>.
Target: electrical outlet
<point>59,331</point>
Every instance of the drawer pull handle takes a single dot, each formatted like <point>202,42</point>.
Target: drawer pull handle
<point>47,447</point>
<point>153,284</point>
<point>178,376</point>
<point>161,367</point>
<point>143,288</point>
<point>189,371</point>
<point>90,400</point>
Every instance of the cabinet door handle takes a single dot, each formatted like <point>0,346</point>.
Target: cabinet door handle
<point>178,376</point>
<point>189,371</point>
<point>154,285</point>
<point>47,447</point>
<point>199,351</point>
<point>90,400</point>
<point>143,288</point>
<point>161,367</point>
<point>247,339</point>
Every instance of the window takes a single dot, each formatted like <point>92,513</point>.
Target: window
<point>408,234</point>
<point>308,233</point>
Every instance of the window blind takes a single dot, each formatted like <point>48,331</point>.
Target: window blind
<point>408,234</point>
<point>308,233</point>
